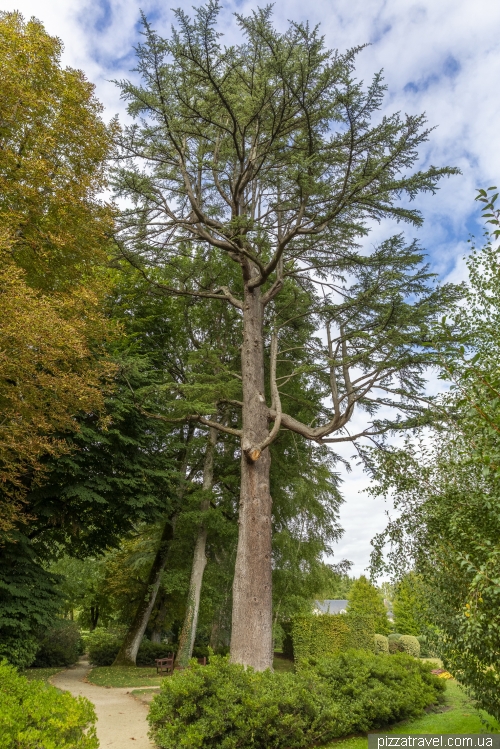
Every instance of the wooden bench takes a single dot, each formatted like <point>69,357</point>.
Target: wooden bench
<point>165,665</point>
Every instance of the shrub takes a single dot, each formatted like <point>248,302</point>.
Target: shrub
<point>60,646</point>
<point>148,651</point>
<point>36,715</point>
<point>409,644</point>
<point>381,644</point>
<point>327,634</point>
<point>19,651</point>
<point>103,648</point>
<point>224,706</point>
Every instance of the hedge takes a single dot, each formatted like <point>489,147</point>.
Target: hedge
<point>225,706</point>
<point>405,644</point>
<point>326,634</point>
<point>34,715</point>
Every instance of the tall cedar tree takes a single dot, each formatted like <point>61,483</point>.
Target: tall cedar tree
<point>263,156</point>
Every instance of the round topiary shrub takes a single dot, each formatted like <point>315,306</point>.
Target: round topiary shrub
<point>34,714</point>
<point>381,644</point>
<point>409,644</point>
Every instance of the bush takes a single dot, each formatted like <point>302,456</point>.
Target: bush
<point>148,651</point>
<point>19,651</point>
<point>381,644</point>
<point>61,646</point>
<point>36,715</point>
<point>410,645</point>
<point>224,706</point>
<point>103,648</point>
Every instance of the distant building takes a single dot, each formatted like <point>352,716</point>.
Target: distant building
<point>330,606</point>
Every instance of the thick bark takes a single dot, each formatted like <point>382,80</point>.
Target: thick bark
<point>251,636</point>
<point>188,632</point>
<point>159,619</point>
<point>128,651</point>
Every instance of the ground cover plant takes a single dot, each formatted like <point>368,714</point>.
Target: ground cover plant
<point>225,706</point>
<point>34,715</point>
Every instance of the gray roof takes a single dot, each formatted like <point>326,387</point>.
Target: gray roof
<point>331,606</point>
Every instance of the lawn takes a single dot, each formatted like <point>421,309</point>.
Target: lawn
<point>41,674</point>
<point>457,715</point>
<point>146,676</point>
<point>124,676</point>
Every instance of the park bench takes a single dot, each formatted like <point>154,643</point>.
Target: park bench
<point>165,665</point>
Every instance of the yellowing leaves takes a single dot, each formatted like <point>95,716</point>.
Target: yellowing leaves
<point>53,151</point>
<point>54,232</point>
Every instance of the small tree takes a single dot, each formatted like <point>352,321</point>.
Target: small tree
<point>409,605</point>
<point>365,599</point>
<point>262,158</point>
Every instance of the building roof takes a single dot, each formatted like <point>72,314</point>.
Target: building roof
<point>331,606</point>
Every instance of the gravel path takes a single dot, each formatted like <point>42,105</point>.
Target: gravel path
<point>121,719</point>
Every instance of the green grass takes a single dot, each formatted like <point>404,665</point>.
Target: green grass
<point>457,715</point>
<point>40,674</point>
<point>128,676</point>
<point>124,676</point>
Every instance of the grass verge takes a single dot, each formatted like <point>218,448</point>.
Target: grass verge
<point>124,676</point>
<point>40,674</point>
<point>146,676</point>
<point>457,715</point>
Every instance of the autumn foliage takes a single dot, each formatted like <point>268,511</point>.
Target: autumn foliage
<point>54,231</point>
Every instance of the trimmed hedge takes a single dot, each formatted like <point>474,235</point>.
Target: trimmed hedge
<point>34,715</point>
<point>326,634</point>
<point>410,645</point>
<point>404,644</point>
<point>381,644</point>
<point>224,706</point>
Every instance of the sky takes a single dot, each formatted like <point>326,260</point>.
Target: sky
<point>441,57</point>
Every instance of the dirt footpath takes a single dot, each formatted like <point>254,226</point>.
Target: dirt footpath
<point>121,719</point>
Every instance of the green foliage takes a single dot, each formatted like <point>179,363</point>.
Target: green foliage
<point>365,600</point>
<point>325,634</point>
<point>29,600</point>
<point>447,490</point>
<point>224,706</point>
<point>381,644</point>
<point>103,648</point>
<point>409,644</point>
<point>34,715</point>
<point>410,605</point>
<point>59,646</point>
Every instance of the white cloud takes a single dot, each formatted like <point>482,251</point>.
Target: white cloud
<point>441,57</point>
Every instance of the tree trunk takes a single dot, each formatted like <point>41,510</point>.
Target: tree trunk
<point>251,636</point>
<point>94,617</point>
<point>159,619</point>
<point>188,633</point>
<point>128,651</point>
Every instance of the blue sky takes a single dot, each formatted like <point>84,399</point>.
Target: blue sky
<point>441,57</point>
